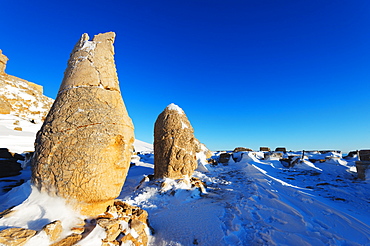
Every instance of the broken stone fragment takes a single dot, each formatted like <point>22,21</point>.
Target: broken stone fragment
<point>174,145</point>
<point>83,150</point>
<point>15,236</point>
<point>53,230</point>
<point>3,61</point>
<point>69,240</point>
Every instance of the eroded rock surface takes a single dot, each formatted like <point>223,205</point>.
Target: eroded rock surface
<point>83,149</point>
<point>3,61</point>
<point>174,145</point>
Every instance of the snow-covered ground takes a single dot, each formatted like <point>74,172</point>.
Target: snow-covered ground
<point>250,202</point>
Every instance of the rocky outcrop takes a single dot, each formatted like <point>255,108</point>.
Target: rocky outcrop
<point>9,165</point>
<point>224,158</point>
<point>174,145</point>
<point>20,97</point>
<point>83,149</point>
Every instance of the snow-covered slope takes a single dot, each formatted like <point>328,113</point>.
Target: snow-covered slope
<point>251,202</point>
<point>143,147</point>
<point>17,141</point>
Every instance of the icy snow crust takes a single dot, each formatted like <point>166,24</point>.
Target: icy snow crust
<point>249,202</point>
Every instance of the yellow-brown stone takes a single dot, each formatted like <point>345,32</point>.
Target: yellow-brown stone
<point>174,145</point>
<point>83,149</point>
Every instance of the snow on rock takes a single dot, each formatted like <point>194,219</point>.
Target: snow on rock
<point>37,210</point>
<point>173,106</point>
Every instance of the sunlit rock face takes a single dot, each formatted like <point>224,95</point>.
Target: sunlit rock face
<point>83,150</point>
<point>174,145</point>
<point>3,61</point>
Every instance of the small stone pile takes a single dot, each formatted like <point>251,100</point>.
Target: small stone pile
<point>124,225</point>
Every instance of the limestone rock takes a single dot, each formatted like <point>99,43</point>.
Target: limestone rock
<point>83,149</point>
<point>36,86</point>
<point>15,236</point>
<point>3,61</point>
<point>124,225</point>
<point>53,230</point>
<point>69,240</point>
<point>5,107</point>
<point>174,145</point>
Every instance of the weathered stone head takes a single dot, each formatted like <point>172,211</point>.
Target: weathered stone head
<point>82,152</point>
<point>174,145</point>
<point>3,61</point>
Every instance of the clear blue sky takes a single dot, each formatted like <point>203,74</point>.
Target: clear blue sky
<point>247,73</point>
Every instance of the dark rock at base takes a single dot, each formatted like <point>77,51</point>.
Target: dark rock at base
<point>362,167</point>
<point>289,162</point>
<point>282,149</point>
<point>224,158</point>
<point>351,154</point>
<point>265,149</point>
<point>9,168</point>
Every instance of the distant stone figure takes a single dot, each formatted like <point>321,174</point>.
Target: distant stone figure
<point>174,145</point>
<point>82,152</point>
<point>3,61</point>
<point>281,149</point>
<point>265,149</point>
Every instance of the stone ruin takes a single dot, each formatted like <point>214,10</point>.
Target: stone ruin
<point>174,145</point>
<point>3,61</point>
<point>83,150</point>
<point>363,164</point>
<point>33,107</point>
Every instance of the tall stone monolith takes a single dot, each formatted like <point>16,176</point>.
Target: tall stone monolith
<point>3,61</point>
<point>174,145</point>
<point>82,152</point>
